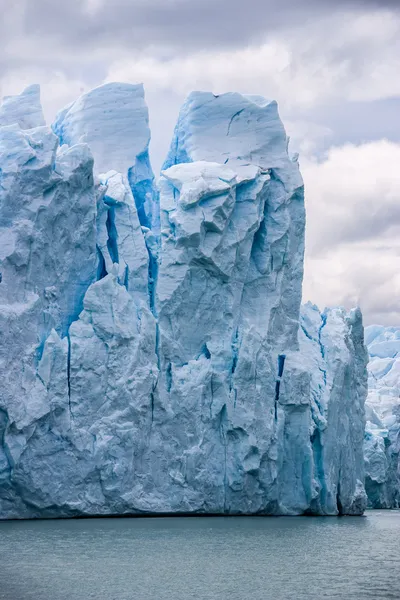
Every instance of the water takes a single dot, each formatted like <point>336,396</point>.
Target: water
<point>232,558</point>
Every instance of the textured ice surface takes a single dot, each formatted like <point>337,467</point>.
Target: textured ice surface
<point>24,110</point>
<point>113,120</point>
<point>382,436</point>
<point>333,346</point>
<point>156,365</point>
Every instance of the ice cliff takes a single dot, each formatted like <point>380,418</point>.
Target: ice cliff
<point>151,358</point>
<point>382,436</point>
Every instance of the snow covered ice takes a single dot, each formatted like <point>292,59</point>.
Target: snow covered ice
<point>151,356</point>
<point>382,436</point>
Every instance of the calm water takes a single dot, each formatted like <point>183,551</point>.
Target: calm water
<point>202,558</point>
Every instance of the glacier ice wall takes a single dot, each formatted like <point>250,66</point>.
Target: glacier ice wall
<point>382,435</point>
<point>151,355</point>
<point>333,345</point>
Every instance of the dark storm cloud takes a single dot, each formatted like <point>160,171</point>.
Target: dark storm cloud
<point>176,23</point>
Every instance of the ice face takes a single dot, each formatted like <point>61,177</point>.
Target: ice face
<point>48,261</point>
<point>229,128</point>
<point>382,436</point>
<point>113,120</point>
<point>120,236</point>
<point>23,110</point>
<point>333,346</point>
<point>156,364</point>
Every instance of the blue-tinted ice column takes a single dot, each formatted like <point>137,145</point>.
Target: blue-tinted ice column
<point>113,120</point>
<point>332,347</point>
<point>80,363</point>
<point>113,362</point>
<point>47,262</point>
<point>229,291</point>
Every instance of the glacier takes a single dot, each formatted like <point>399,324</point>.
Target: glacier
<point>154,354</point>
<point>382,435</point>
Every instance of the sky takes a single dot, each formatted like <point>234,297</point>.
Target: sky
<point>332,65</point>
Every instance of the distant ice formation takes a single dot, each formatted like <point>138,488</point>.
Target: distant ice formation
<point>382,436</point>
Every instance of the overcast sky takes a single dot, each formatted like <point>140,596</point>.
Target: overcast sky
<point>332,65</point>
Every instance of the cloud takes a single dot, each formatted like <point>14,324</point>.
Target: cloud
<point>84,36</point>
<point>300,67</point>
<point>188,24</point>
<point>353,195</point>
<point>353,229</point>
<point>356,122</point>
<point>296,63</point>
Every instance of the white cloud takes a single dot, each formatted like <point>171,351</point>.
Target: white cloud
<point>359,59</point>
<point>353,229</point>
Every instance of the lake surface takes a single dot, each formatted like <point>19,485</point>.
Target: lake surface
<point>202,558</point>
